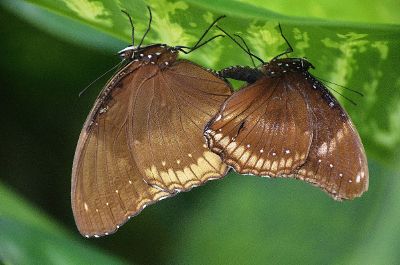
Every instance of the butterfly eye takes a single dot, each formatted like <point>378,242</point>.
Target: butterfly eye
<point>127,53</point>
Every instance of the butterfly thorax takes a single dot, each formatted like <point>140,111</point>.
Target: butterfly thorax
<point>279,67</point>
<point>159,54</point>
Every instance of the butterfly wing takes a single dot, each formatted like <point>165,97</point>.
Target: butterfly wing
<point>107,186</point>
<point>263,129</point>
<point>336,161</point>
<point>167,140</point>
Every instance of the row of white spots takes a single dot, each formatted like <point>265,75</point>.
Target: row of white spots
<point>322,150</point>
<point>107,204</point>
<point>287,151</point>
<point>206,165</point>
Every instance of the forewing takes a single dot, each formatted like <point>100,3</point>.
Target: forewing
<point>167,140</point>
<point>263,129</point>
<point>336,161</point>
<point>107,187</point>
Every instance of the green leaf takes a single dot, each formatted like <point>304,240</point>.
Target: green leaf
<point>361,56</point>
<point>241,219</point>
<point>248,221</point>
<point>29,237</point>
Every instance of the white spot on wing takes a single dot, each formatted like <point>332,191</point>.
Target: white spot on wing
<point>86,206</point>
<point>358,179</point>
<point>323,149</point>
<point>218,136</point>
<point>161,198</point>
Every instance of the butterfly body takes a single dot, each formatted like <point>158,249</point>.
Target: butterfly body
<point>293,127</point>
<point>142,141</point>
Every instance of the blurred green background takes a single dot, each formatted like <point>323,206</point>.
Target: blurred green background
<point>50,50</point>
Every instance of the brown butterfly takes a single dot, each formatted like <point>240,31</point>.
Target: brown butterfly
<point>143,139</point>
<point>286,123</point>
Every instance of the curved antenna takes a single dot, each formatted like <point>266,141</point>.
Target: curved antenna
<point>94,81</point>
<point>343,96</point>
<point>197,45</point>
<point>181,48</point>
<point>148,27</point>
<point>205,33</point>
<point>133,28</point>
<point>289,49</point>
<point>247,47</point>
<point>244,49</point>
<point>349,89</point>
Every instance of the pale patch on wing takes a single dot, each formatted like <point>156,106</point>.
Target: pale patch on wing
<point>187,176</point>
<point>323,149</point>
<point>247,162</point>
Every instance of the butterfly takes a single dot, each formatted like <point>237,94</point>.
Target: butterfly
<point>286,123</point>
<point>143,139</point>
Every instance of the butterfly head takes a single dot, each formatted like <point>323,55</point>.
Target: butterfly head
<point>278,67</point>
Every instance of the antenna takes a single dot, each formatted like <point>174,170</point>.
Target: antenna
<point>289,49</point>
<point>148,27</point>
<point>247,47</point>
<point>197,45</point>
<point>133,28</point>
<point>244,49</point>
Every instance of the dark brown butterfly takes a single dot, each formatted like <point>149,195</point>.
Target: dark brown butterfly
<point>287,124</point>
<point>143,139</point>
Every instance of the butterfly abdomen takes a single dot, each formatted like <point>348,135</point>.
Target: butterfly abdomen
<point>243,73</point>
